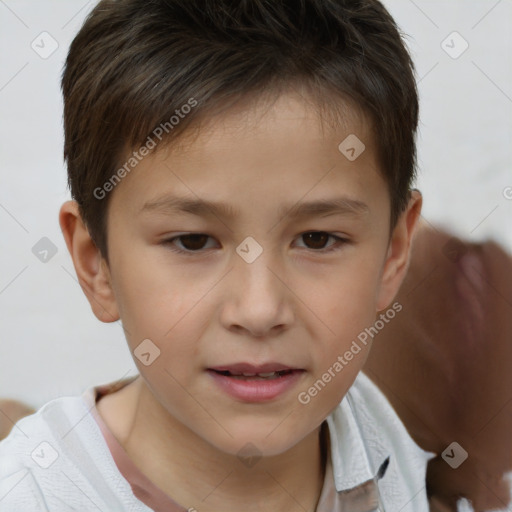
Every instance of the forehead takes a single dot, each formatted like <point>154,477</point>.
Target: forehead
<point>259,115</point>
<point>276,149</point>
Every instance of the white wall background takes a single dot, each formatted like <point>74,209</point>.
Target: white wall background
<point>50,342</point>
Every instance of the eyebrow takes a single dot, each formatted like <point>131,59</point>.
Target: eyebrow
<point>170,204</point>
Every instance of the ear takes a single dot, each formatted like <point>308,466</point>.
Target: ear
<point>91,268</point>
<point>397,258</point>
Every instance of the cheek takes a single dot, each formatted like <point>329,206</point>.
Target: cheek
<point>159,306</point>
<point>347,306</point>
<point>347,299</point>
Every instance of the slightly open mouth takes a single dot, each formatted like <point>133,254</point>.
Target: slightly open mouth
<point>257,376</point>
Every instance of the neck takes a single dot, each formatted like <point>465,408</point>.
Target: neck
<point>197,475</point>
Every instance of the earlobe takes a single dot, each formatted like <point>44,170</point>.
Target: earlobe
<point>91,269</point>
<point>397,258</point>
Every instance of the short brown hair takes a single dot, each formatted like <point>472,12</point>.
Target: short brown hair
<point>135,63</point>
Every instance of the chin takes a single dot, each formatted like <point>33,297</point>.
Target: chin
<point>253,442</point>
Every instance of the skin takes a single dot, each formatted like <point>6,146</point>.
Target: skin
<point>295,304</point>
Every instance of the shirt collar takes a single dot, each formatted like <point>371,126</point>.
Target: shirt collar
<point>354,461</point>
<point>351,476</point>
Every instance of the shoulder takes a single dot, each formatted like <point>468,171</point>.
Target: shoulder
<point>57,459</point>
<point>384,434</point>
<point>379,422</point>
<point>21,452</point>
<point>18,449</point>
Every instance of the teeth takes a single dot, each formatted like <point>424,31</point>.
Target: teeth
<point>269,374</point>
<point>263,375</point>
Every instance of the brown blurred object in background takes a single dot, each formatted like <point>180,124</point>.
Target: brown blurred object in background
<point>445,364</point>
<point>10,412</point>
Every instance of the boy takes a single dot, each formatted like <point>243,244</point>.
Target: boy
<point>280,135</point>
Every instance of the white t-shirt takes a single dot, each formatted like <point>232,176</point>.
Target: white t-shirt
<point>63,458</point>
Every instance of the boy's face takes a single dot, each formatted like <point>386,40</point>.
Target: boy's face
<point>298,304</point>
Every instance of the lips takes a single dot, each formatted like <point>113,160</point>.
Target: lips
<point>248,370</point>
<point>248,376</point>
<point>250,383</point>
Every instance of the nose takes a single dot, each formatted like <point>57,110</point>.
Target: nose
<point>258,301</point>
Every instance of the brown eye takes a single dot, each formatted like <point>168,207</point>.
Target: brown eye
<point>316,239</point>
<point>188,243</point>
<point>193,242</point>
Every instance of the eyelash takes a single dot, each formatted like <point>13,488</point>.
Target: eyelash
<point>335,247</point>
